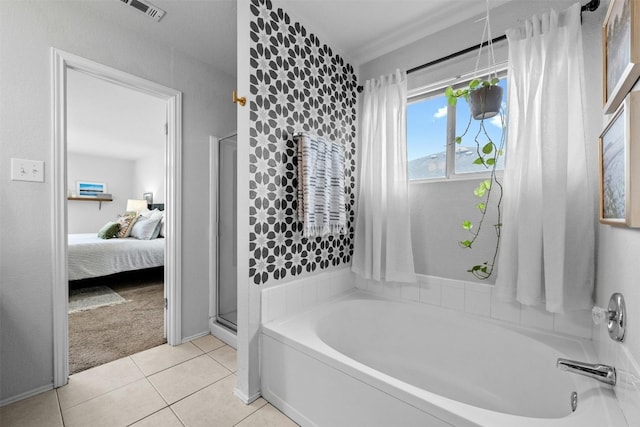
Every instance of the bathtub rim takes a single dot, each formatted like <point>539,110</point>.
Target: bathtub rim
<point>448,410</point>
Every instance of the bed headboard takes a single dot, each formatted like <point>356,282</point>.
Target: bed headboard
<point>159,206</point>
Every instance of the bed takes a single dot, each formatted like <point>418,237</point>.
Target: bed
<point>90,256</point>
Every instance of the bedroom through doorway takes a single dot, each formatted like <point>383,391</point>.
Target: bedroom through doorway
<point>116,175</point>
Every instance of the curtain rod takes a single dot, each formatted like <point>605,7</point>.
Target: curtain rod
<point>589,7</point>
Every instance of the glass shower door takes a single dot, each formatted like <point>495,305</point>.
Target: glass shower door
<point>227,298</point>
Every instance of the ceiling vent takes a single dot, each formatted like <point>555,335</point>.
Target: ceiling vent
<point>147,8</point>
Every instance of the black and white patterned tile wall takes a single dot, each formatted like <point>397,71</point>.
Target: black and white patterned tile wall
<point>297,85</point>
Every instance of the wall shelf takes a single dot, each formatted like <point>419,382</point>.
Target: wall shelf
<point>92,199</point>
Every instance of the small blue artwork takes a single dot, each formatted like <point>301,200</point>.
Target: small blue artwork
<point>91,189</point>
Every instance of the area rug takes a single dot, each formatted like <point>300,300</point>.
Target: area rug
<point>92,297</point>
<point>107,333</point>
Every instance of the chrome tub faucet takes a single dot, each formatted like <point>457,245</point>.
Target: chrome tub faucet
<point>597,371</point>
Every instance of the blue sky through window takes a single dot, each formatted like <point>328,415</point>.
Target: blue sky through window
<point>427,137</point>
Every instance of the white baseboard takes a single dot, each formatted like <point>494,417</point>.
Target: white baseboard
<point>246,399</point>
<point>223,334</point>
<point>25,395</point>
<point>196,336</point>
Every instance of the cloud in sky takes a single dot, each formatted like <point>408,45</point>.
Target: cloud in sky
<point>442,112</point>
<point>495,120</point>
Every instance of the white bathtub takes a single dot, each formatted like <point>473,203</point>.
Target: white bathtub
<point>361,360</point>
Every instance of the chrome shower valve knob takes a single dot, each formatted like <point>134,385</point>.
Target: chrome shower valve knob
<point>614,315</point>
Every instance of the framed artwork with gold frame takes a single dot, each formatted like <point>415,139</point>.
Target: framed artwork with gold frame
<point>619,164</point>
<point>620,51</point>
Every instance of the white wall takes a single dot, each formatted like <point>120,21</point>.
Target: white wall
<point>118,174</point>
<point>27,32</point>
<point>618,255</point>
<point>617,262</point>
<point>149,177</point>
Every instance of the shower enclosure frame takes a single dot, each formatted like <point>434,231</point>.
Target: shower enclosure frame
<point>219,327</point>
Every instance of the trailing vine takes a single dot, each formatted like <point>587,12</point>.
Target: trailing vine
<point>488,152</point>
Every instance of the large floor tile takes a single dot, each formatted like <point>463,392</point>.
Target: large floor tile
<point>267,416</point>
<point>94,382</point>
<point>226,356</point>
<point>120,407</point>
<point>215,406</point>
<point>208,343</point>
<point>39,410</point>
<point>164,418</point>
<point>188,377</point>
<point>165,356</point>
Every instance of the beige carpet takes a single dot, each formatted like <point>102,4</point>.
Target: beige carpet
<point>104,334</point>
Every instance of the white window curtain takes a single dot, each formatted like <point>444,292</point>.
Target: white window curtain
<point>382,249</point>
<point>547,250</point>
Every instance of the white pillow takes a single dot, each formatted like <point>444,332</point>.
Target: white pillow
<point>162,222</point>
<point>145,228</point>
<point>154,214</point>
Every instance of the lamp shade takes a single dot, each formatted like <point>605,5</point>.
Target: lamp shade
<point>134,205</point>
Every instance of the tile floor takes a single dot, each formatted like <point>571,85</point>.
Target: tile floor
<point>188,385</point>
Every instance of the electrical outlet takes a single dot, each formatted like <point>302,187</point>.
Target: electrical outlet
<point>27,170</point>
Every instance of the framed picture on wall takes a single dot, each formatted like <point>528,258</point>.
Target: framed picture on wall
<point>91,189</point>
<point>619,159</point>
<point>620,51</point>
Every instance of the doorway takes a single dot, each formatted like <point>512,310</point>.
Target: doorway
<point>63,62</point>
<point>227,288</point>
<point>115,137</point>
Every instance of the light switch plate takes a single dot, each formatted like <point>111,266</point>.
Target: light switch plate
<point>27,170</point>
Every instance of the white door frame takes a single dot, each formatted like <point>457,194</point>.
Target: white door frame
<point>61,62</point>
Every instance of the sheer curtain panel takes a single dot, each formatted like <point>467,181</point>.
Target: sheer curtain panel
<point>383,233</point>
<point>547,252</point>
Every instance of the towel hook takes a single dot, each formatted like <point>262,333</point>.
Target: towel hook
<point>242,101</point>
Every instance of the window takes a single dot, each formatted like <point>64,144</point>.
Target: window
<point>432,127</point>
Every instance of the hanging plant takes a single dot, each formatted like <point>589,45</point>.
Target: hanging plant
<point>484,94</point>
<point>484,97</point>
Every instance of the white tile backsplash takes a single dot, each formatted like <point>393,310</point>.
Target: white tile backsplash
<point>480,299</point>
<point>309,293</point>
<point>361,283</point>
<point>576,323</point>
<point>474,298</point>
<point>453,294</point>
<point>265,312</point>
<point>324,288</point>
<point>294,296</point>
<point>430,290</point>
<point>410,291</point>
<point>278,302</point>
<point>477,299</point>
<point>536,317</point>
<point>505,311</point>
<point>344,281</point>
<point>393,290</point>
<point>375,287</point>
